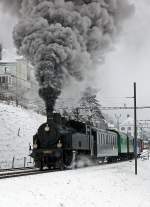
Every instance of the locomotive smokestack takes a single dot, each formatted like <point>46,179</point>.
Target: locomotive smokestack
<point>49,95</point>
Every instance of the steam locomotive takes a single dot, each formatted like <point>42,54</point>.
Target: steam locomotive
<point>59,143</point>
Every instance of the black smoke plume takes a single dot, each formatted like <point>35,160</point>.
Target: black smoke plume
<point>62,38</point>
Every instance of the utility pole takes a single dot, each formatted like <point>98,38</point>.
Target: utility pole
<point>135,130</point>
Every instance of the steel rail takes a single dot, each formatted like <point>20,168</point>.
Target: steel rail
<point>12,174</point>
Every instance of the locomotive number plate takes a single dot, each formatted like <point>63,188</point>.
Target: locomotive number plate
<point>47,152</point>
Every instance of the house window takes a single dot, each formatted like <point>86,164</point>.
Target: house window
<point>5,80</point>
<point>129,128</point>
<point>122,128</point>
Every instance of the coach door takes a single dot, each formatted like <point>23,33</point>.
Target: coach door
<point>94,133</point>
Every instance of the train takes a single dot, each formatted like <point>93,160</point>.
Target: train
<point>146,144</point>
<point>59,143</point>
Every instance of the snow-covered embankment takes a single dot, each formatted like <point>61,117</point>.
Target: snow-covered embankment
<point>17,127</point>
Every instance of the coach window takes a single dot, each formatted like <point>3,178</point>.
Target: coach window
<point>105,139</point>
<point>111,139</point>
<point>102,138</point>
<point>99,138</point>
<point>108,139</point>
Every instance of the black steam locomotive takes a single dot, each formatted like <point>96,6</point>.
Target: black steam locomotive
<point>59,143</point>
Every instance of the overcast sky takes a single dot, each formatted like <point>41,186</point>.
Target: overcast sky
<point>128,63</point>
<point>7,23</point>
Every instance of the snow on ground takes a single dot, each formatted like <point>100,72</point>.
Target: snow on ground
<point>17,127</point>
<point>112,185</point>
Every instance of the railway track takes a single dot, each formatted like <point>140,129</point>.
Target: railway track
<point>23,172</point>
<point>18,172</point>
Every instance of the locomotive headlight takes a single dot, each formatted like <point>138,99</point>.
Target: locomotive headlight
<point>59,144</point>
<point>35,146</point>
<point>47,128</point>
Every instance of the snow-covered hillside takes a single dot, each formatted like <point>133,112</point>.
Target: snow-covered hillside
<point>112,185</point>
<point>17,127</point>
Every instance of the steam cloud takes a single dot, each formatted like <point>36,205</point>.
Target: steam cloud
<point>62,38</point>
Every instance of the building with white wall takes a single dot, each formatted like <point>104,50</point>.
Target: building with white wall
<point>14,77</point>
<point>127,126</point>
